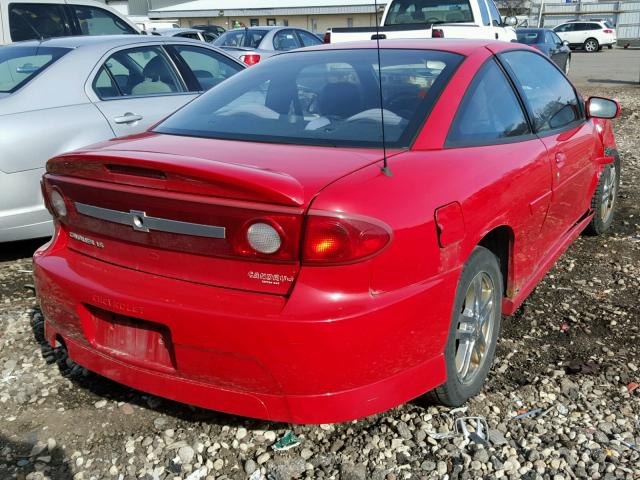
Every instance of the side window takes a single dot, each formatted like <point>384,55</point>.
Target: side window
<point>484,13</point>
<point>548,38</point>
<point>97,21</point>
<point>30,21</point>
<point>104,85</point>
<point>593,26</point>
<point>285,40</point>
<point>489,112</point>
<point>496,19</point>
<point>191,35</point>
<point>308,40</point>
<point>209,68</point>
<point>549,95</point>
<point>555,38</point>
<point>142,71</point>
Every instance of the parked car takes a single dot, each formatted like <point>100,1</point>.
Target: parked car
<point>192,33</point>
<point>40,19</point>
<point>366,273</point>
<point>591,36</point>
<point>433,18</point>
<point>212,29</point>
<point>64,93</point>
<point>253,44</point>
<point>548,43</point>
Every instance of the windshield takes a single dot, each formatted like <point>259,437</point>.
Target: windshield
<point>429,11</point>
<point>529,38</point>
<point>18,65</point>
<point>244,37</point>
<point>322,98</point>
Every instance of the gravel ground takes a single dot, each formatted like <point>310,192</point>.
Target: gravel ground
<point>571,351</point>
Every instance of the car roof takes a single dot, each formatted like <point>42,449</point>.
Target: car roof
<point>589,20</point>
<point>461,46</point>
<point>91,41</point>
<point>533,30</point>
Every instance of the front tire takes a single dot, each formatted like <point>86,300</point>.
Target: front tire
<point>474,329</point>
<point>591,45</point>
<point>605,198</point>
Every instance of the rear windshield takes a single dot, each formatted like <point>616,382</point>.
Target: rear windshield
<point>18,65</point>
<point>608,24</point>
<point>322,98</point>
<point>529,38</point>
<point>429,11</point>
<point>241,38</point>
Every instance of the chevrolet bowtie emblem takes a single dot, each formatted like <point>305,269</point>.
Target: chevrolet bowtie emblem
<point>143,223</point>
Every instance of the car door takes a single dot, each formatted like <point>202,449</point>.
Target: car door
<point>137,87</point>
<point>28,21</point>
<point>92,20</point>
<point>308,39</point>
<point>496,27</point>
<point>558,118</point>
<point>556,50</point>
<point>286,39</point>
<point>491,133</point>
<point>565,31</point>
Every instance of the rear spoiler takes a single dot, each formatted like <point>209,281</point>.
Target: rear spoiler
<point>181,174</point>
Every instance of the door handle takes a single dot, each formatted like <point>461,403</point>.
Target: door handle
<point>128,118</point>
<point>497,36</point>
<point>560,158</point>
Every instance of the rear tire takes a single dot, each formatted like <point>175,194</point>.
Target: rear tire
<point>591,45</point>
<point>474,329</point>
<point>610,47</point>
<point>605,198</point>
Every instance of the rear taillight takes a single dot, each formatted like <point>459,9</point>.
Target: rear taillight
<point>250,59</point>
<point>333,239</point>
<point>273,237</point>
<point>437,33</point>
<point>54,201</point>
<point>327,37</point>
<point>607,31</point>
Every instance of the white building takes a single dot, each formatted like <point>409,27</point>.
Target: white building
<point>314,15</point>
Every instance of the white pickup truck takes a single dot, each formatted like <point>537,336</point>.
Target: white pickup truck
<point>433,18</point>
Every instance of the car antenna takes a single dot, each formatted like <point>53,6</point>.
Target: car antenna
<point>385,166</point>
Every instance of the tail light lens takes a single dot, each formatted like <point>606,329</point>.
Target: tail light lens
<point>54,201</point>
<point>607,30</point>
<point>339,239</point>
<point>250,59</point>
<point>327,37</point>
<point>272,237</point>
<point>437,33</point>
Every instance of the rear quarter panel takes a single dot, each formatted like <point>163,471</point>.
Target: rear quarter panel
<point>31,138</point>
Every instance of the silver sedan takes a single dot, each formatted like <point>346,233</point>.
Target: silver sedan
<point>61,94</point>
<point>253,44</point>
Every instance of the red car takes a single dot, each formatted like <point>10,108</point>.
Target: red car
<point>252,254</point>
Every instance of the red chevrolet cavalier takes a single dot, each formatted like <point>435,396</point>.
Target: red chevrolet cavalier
<point>285,248</point>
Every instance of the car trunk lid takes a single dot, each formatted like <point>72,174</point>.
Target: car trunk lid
<point>185,215</point>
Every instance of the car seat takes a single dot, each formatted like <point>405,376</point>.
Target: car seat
<point>342,100</point>
<point>157,79</point>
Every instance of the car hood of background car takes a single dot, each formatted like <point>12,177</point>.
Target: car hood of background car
<point>274,173</point>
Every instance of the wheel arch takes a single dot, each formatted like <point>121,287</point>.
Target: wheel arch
<point>500,240</point>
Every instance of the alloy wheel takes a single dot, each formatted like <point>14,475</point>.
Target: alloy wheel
<point>591,46</point>
<point>609,190</point>
<point>475,327</point>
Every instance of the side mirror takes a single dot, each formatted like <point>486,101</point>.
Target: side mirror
<point>565,43</point>
<point>510,21</point>
<point>598,107</point>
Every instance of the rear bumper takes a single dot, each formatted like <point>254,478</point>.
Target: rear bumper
<point>302,359</point>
